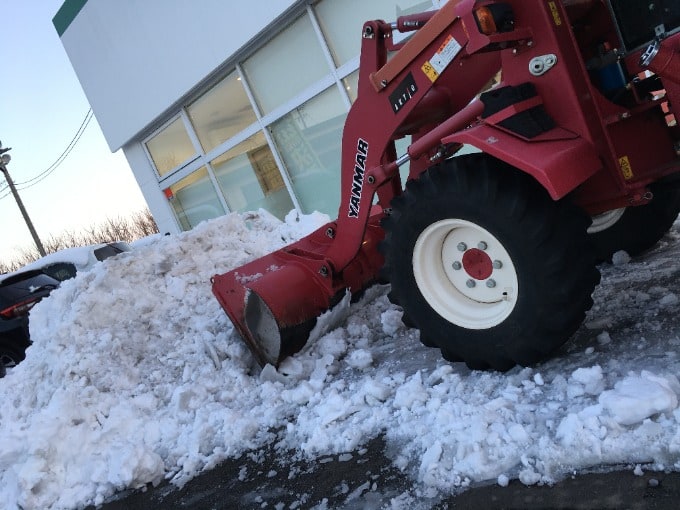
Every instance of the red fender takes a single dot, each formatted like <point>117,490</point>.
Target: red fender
<point>558,159</point>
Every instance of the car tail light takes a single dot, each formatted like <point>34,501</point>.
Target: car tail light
<point>18,309</point>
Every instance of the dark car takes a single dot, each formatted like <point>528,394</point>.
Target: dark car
<point>19,292</point>
<point>66,263</point>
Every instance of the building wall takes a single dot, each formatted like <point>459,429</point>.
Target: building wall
<point>136,58</point>
<point>156,73</point>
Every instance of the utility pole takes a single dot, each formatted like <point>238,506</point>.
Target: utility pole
<point>4,159</point>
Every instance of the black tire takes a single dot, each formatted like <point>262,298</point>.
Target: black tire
<point>545,280</point>
<point>636,229</point>
<point>9,358</point>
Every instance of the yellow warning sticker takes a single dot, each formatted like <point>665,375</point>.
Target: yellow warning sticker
<point>555,13</point>
<point>626,169</point>
<point>430,72</point>
<point>445,54</point>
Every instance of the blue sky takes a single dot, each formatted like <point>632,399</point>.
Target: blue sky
<point>42,105</point>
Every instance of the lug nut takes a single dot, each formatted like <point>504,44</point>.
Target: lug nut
<point>482,245</point>
<point>497,264</point>
<point>491,283</point>
<point>462,246</point>
<point>470,283</point>
<point>457,265</point>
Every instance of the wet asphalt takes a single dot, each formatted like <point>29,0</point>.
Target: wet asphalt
<point>366,480</point>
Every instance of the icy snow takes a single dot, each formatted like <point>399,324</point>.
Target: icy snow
<point>136,375</point>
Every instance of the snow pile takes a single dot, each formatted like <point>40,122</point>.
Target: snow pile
<point>136,375</point>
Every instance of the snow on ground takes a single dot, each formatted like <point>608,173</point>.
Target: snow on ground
<point>136,375</point>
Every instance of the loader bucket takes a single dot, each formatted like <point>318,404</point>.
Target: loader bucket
<point>274,301</point>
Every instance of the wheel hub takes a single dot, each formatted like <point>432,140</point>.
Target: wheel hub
<point>605,220</point>
<point>477,264</point>
<point>465,273</point>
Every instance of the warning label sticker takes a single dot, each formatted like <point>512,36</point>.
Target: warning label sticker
<point>626,169</point>
<point>442,58</point>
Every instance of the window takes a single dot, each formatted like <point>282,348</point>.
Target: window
<point>284,67</point>
<point>222,112</point>
<point>110,250</point>
<point>351,83</point>
<point>341,22</point>
<point>194,199</point>
<point>309,140</point>
<point>250,179</point>
<point>171,147</point>
<point>60,271</point>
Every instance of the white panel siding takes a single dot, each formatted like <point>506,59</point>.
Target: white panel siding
<point>148,183</point>
<point>136,58</point>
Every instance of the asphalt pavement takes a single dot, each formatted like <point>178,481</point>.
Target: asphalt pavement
<point>367,480</point>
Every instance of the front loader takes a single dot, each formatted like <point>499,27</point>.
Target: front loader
<point>492,255</point>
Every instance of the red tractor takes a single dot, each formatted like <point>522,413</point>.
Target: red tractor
<point>492,255</point>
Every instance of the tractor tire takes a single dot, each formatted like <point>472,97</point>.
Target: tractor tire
<point>486,265</point>
<point>635,229</point>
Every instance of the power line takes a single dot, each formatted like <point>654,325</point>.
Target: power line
<point>45,173</point>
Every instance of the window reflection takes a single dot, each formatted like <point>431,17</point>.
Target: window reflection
<point>171,147</point>
<point>351,83</point>
<point>341,22</point>
<point>194,199</point>
<point>309,140</point>
<point>250,179</point>
<point>222,112</point>
<point>291,62</point>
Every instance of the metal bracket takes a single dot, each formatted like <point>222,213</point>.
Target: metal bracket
<point>542,64</point>
<point>649,54</point>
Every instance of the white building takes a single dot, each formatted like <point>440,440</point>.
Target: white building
<point>224,105</point>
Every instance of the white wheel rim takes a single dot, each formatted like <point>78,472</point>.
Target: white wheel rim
<point>605,220</point>
<point>465,274</point>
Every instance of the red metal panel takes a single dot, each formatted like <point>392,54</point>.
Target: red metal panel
<point>560,165</point>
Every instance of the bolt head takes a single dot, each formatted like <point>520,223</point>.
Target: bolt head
<point>457,265</point>
<point>462,246</point>
<point>470,284</point>
<point>491,283</point>
<point>497,264</point>
<point>482,245</point>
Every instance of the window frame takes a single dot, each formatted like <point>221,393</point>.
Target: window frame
<point>192,138</point>
<point>333,78</point>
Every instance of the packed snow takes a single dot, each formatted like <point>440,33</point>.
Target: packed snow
<point>136,375</point>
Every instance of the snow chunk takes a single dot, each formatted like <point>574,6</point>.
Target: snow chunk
<point>360,359</point>
<point>604,338</point>
<point>669,300</point>
<point>589,381</point>
<point>638,397</point>
<point>391,321</point>
<point>620,258</point>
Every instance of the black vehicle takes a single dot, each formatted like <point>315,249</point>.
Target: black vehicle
<point>19,292</point>
<point>66,263</point>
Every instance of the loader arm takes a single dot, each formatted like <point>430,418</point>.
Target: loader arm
<point>391,94</point>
